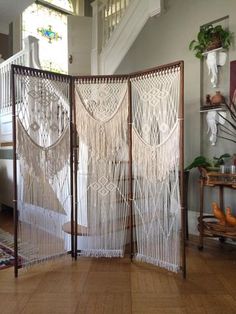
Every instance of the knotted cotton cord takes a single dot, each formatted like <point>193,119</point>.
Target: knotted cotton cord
<point>101,121</point>
<point>155,151</point>
<point>43,150</point>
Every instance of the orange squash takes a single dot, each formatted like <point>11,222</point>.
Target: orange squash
<point>218,213</point>
<point>230,219</point>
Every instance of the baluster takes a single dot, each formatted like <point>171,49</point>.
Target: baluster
<point>2,79</point>
<point>106,23</point>
<point>1,88</point>
<point>110,18</point>
<point>122,6</point>
<point>4,87</point>
<point>8,102</point>
<point>113,14</point>
<point>120,12</point>
<point>104,26</point>
<point>8,86</point>
<point>117,11</point>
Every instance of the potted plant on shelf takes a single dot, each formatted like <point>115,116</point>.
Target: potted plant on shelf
<point>210,37</point>
<point>206,164</point>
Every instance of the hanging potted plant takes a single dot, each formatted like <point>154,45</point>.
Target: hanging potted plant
<point>210,37</point>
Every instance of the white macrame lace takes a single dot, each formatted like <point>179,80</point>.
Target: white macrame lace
<point>155,152</point>
<point>101,121</point>
<point>43,150</point>
<point>103,183</point>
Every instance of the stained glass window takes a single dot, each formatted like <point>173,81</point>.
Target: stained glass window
<point>50,27</point>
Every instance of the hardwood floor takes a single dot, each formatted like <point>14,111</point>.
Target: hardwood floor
<point>116,286</point>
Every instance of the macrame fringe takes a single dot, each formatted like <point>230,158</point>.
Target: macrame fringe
<point>151,260</point>
<point>39,260</point>
<point>102,253</point>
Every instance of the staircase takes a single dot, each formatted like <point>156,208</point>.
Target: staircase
<point>116,25</point>
<point>26,57</point>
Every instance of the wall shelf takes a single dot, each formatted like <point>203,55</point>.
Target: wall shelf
<point>213,50</point>
<point>212,108</point>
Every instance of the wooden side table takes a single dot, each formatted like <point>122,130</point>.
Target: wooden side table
<point>208,225</point>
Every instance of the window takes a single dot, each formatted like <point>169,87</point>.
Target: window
<point>62,4</point>
<point>50,27</point>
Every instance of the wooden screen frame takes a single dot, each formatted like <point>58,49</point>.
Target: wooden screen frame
<point>73,152</point>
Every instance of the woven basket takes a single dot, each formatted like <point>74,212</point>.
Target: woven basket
<point>214,43</point>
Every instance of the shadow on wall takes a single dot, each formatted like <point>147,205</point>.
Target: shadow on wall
<point>6,185</point>
<point>4,46</point>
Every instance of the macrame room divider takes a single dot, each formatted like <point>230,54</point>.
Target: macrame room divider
<point>98,166</point>
<point>42,163</point>
<point>103,177</point>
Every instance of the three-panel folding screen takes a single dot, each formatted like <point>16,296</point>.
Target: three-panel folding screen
<point>98,166</point>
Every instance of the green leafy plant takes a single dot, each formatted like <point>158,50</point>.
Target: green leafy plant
<point>210,37</point>
<point>203,162</point>
<point>228,129</point>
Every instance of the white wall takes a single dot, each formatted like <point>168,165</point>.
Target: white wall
<point>79,44</point>
<point>4,28</point>
<point>166,39</point>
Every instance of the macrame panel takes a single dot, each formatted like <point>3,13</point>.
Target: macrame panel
<point>103,183</point>
<point>43,151</point>
<point>155,153</point>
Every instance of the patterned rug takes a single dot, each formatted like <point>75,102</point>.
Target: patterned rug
<point>7,257</point>
<point>7,250</point>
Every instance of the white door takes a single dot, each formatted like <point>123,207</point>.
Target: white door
<point>79,45</point>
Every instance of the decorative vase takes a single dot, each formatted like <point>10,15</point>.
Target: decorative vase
<point>217,99</point>
<point>208,100</point>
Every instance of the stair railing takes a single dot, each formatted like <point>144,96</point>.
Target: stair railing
<point>111,14</point>
<point>107,15</point>
<point>29,56</point>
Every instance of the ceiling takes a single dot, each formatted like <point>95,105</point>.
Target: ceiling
<point>9,10</point>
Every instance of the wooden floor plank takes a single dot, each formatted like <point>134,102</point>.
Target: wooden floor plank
<point>117,286</point>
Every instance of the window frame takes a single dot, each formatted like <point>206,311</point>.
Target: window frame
<point>48,6</point>
<point>53,7</point>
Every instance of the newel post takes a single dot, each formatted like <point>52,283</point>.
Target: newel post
<point>96,36</point>
<point>32,52</point>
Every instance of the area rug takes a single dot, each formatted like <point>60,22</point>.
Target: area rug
<point>7,257</point>
<point>7,250</point>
